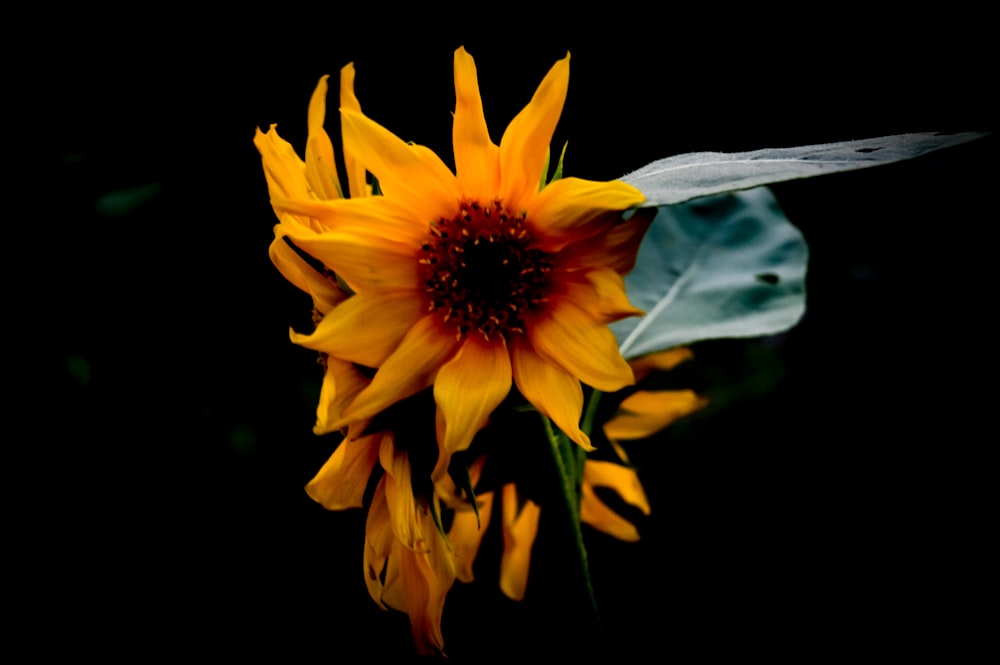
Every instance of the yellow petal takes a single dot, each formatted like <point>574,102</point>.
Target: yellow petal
<point>524,146</point>
<point>365,329</point>
<point>341,481</point>
<point>284,171</point>
<point>321,169</point>
<point>416,178</point>
<point>374,215</point>
<point>519,531</point>
<point>410,369</point>
<point>477,164</point>
<point>378,543</point>
<point>466,535</point>
<point>646,412</point>
<point>553,391</point>
<point>357,182</point>
<point>399,493</point>
<point>603,290</point>
<point>622,479</point>
<point>468,388</point>
<point>570,208</point>
<point>324,291</point>
<point>367,262</point>
<point>660,360</point>
<point>570,336</point>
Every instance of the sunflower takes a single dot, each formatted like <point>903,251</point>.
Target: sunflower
<point>471,281</point>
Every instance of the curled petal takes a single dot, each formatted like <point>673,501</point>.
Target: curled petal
<point>341,383</point>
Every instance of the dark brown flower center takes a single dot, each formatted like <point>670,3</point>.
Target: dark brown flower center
<point>481,271</point>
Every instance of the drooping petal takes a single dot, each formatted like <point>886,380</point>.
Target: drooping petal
<point>418,179</point>
<point>357,182</point>
<point>365,329</point>
<point>553,391</point>
<point>367,262</point>
<point>321,169</point>
<point>646,412</point>
<point>477,164</point>
<point>625,482</point>
<point>341,482</point>
<point>468,388</point>
<point>378,543</point>
<point>417,581</point>
<point>572,338</point>
<point>410,369</point>
<point>519,530</point>
<point>525,144</point>
<point>324,291</point>
<point>466,535</point>
<point>399,493</point>
<point>341,384</point>
<point>570,208</point>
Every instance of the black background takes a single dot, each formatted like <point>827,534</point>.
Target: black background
<point>830,500</point>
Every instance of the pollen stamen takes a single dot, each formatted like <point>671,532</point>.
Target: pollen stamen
<point>482,271</point>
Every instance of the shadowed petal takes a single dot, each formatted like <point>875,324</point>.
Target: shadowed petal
<point>614,246</point>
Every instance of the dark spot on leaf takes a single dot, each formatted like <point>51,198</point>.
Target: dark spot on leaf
<point>768,278</point>
<point>868,149</point>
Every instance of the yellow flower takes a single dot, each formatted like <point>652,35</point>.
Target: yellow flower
<point>474,280</point>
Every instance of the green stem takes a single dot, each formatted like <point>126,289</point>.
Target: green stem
<point>569,459</point>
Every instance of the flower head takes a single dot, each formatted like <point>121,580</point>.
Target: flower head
<point>471,281</point>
